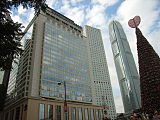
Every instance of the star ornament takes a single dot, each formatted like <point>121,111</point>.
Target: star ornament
<point>133,23</point>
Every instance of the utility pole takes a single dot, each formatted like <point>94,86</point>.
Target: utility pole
<point>65,101</point>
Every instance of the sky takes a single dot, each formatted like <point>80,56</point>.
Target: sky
<point>99,13</point>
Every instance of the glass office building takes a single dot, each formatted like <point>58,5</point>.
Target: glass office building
<point>125,66</point>
<point>64,59</point>
<point>54,51</point>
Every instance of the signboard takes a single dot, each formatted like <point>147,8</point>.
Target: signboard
<point>65,106</point>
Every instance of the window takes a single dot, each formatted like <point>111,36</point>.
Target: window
<point>17,113</point>
<point>41,112</point>
<point>100,114</point>
<point>115,48</point>
<point>68,112</point>
<point>12,114</point>
<point>97,114</point>
<point>73,113</point>
<point>80,114</point>
<point>120,68</point>
<point>112,35</point>
<point>58,112</point>
<point>92,114</point>
<point>50,112</point>
<point>6,116</point>
<point>86,113</point>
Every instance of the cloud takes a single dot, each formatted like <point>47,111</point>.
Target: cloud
<point>154,37</point>
<point>21,10</point>
<point>74,2</point>
<point>50,3</point>
<point>145,9</point>
<point>104,2</point>
<point>22,15</point>
<point>96,16</point>
<point>74,13</point>
<point>16,18</point>
<point>30,14</point>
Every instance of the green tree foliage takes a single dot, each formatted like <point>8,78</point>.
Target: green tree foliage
<point>10,31</point>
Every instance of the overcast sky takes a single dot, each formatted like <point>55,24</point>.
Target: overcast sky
<point>99,13</point>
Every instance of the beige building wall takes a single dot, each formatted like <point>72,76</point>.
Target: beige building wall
<point>37,55</point>
<point>29,109</point>
<point>101,84</point>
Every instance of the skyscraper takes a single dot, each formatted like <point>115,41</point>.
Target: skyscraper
<point>101,88</point>
<point>55,51</point>
<point>125,66</point>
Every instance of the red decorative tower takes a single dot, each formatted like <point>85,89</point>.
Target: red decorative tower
<point>149,70</point>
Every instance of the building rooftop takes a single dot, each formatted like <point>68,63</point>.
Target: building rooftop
<point>52,12</point>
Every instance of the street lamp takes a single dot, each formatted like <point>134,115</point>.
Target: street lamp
<point>65,102</point>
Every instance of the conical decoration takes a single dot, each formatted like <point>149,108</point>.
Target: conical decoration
<point>149,70</point>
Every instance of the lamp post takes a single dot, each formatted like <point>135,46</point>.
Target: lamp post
<point>65,101</point>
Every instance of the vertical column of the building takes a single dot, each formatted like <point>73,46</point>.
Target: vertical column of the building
<point>36,55</point>
<point>90,66</point>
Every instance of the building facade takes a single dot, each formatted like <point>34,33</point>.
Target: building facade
<point>125,66</point>
<point>54,52</point>
<point>101,85</point>
<point>47,109</point>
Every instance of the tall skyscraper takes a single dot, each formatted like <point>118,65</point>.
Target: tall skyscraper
<point>55,51</point>
<point>101,88</point>
<point>125,66</point>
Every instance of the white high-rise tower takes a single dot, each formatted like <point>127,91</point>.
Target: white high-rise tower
<point>101,88</point>
<point>126,69</point>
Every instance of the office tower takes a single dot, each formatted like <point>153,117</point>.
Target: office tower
<point>54,62</point>
<point>149,69</point>
<point>102,91</point>
<point>125,66</point>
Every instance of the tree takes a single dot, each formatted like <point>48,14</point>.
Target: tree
<point>149,70</point>
<point>10,37</point>
<point>10,31</point>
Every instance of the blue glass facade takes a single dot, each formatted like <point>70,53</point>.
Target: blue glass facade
<point>64,58</point>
